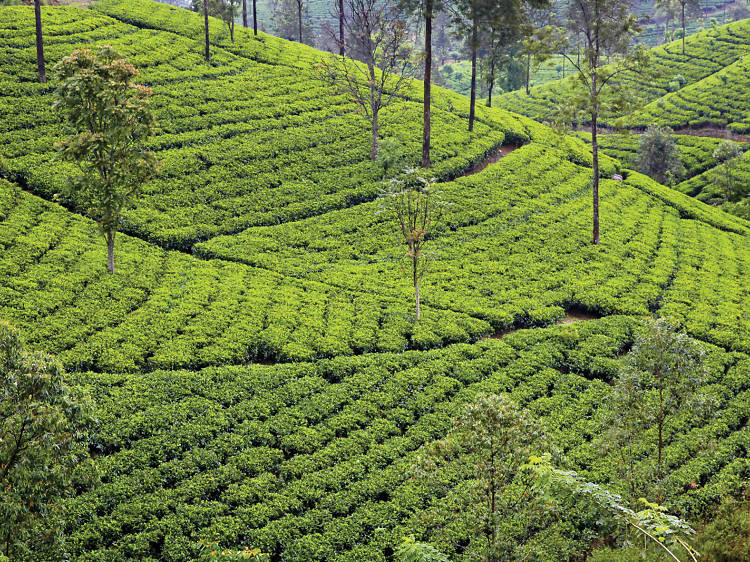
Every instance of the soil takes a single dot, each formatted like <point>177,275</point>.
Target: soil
<point>493,157</point>
<point>572,317</point>
<point>577,316</point>
<point>713,132</point>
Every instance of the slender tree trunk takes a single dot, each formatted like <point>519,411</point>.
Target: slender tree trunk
<point>255,18</point>
<point>661,443</point>
<point>111,251</point>
<point>426,129</point>
<point>205,25</point>
<point>683,26</point>
<point>595,173</point>
<point>492,83</point>
<point>299,18</point>
<point>39,42</point>
<point>563,65</point>
<point>342,49</point>
<point>244,13</point>
<point>415,268</point>
<point>231,31</point>
<point>528,73</point>
<point>473,98</point>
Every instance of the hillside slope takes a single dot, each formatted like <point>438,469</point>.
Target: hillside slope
<point>706,53</point>
<point>270,386</point>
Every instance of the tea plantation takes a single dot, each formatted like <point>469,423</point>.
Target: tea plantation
<point>708,55</point>
<point>258,373</point>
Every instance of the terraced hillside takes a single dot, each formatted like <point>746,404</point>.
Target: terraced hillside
<point>696,153</point>
<point>259,377</point>
<point>719,100</point>
<point>706,53</point>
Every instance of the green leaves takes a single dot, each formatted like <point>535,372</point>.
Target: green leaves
<point>43,449</point>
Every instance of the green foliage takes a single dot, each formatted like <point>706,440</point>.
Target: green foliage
<point>726,537</point>
<point>488,444</point>
<point>413,551</point>
<point>707,53</point>
<point>661,530</point>
<point>658,155</point>
<point>727,154</point>
<point>211,552</point>
<point>43,449</point>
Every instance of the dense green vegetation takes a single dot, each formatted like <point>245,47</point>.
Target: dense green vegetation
<point>259,377</point>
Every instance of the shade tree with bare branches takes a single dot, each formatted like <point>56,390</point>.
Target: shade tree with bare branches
<point>379,37</point>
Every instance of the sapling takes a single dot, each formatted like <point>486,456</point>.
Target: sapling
<point>416,209</point>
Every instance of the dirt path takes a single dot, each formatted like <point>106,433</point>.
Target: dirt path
<point>571,317</point>
<point>493,157</point>
<point>712,132</point>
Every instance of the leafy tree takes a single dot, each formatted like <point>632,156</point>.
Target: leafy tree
<point>417,210</point>
<point>41,71</point>
<point>727,154</point>
<point>473,18</point>
<point>487,448</point>
<point>43,449</point>
<point>658,155</point>
<point>663,374</point>
<point>379,35</point>
<point>110,117</point>
<point>606,29</point>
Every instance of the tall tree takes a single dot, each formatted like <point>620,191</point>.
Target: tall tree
<point>692,5</point>
<point>379,36</point>
<point>300,4</point>
<point>41,70</point>
<point>44,428</point>
<point>205,27</point>
<point>255,18</point>
<point>244,13</point>
<point>606,29</point>
<point>427,10</point>
<point>342,49</point>
<point>473,19</point>
<point>110,117</point>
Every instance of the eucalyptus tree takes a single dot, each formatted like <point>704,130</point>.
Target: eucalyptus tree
<point>41,70</point>
<point>426,10</point>
<point>604,30</point>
